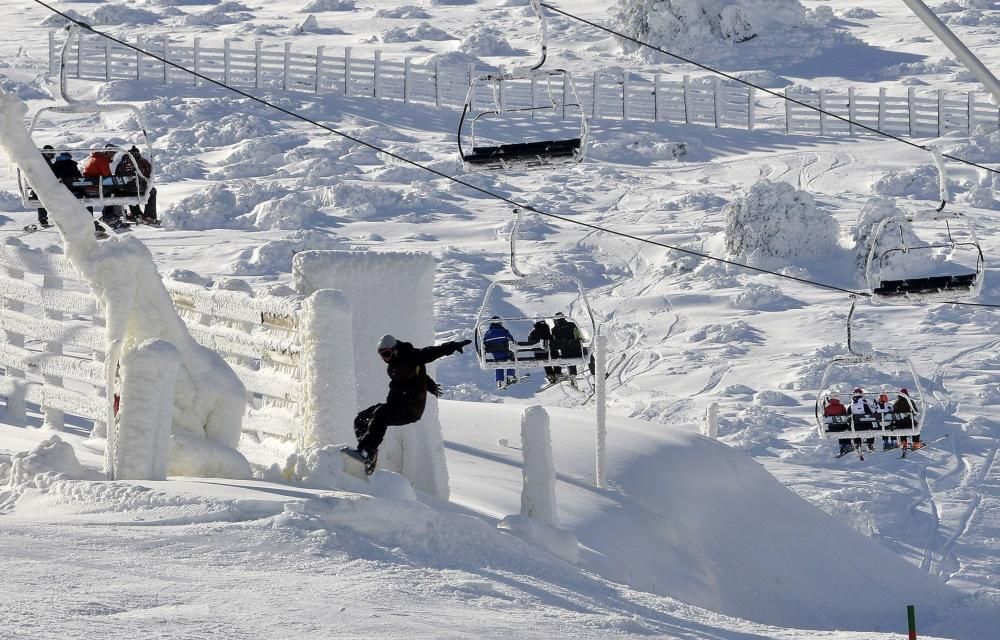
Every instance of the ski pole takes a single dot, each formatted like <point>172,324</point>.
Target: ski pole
<point>911,620</point>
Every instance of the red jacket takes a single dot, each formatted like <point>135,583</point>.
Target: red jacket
<point>834,408</point>
<point>97,166</point>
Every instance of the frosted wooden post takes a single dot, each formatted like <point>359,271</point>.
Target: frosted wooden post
<point>438,83</point>
<point>597,95</point>
<point>197,61</point>
<point>138,57</point>
<point>347,71</point>
<point>717,90</point>
<point>166,56</point>
<point>328,377</point>
<point>53,416</point>
<point>852,110</point>
<point>141,438</point>
<point>533,80</point>
<point>686,89</point>
<point>107,59</point>
<point>227,54</point>
<point>911,93</point>
<point>822,112</point>
<point>751,108</point>
<point>319,68</point>
<point>286,68</point>
<point>16,408</point>
<point>711,427</point>
<point>788,112</point>
<point>377,79</point>
<point>600,399</point>
<point>625,109</point>
<point>940,119</point>
<point>407,79</point>
<point>881,108</point>
<point>971,97</point>
<point>257,46</point>
<point>657,89</point>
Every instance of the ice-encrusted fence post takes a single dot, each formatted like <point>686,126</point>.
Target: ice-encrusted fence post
<point>751,108</point>
<point>941,124</point>
<point>625,105</point>
<point>257,54</point>
<point>882,108</point>
<point>227,60</point>
<point>141,438</point>
<point>597,96</point>
<point>788,111</point>
<point>197,61</point>
<point>971,98</point>
<point>166,56</point>
<point>319,68</point>
<point>438,85</point>
<point>347,71</point>
<point>717,94</point>
<point>687,99</point>
<point>711,427</point>
<point>823,127</point>
<point>107,59</point>
<point>852,110</point>
<point>53,416</point>
<point>377,77</point>
<point>407,80</point>
<point>327,370</point>
<point>657,90</point>
<point>911,95</point>
<point>286,70</point>
<point>16,405</point>
<point>139,44</point>
<point>538,522</point>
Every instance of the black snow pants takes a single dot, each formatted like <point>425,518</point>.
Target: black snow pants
<point>371,424</point>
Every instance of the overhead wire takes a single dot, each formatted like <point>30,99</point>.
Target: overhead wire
<point>757,87</point>
<point>441,174</point>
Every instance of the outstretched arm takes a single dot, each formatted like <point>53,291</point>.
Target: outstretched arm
<point>430,354</point>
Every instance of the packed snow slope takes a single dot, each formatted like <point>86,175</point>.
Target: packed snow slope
<point>252,559</point>
<point>243,188</point>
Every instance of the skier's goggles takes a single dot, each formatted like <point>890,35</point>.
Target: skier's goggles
<point>385,353</point>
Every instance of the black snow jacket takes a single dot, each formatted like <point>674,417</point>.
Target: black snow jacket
<point>408,379</point>
<point>65,169</point>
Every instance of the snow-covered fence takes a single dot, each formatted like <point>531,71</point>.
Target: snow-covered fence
<point>930,113</point>
<point>706,100</point>
<point>55,343</point>
<point>251,65</point>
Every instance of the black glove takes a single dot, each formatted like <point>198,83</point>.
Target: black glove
<point>459,344</point>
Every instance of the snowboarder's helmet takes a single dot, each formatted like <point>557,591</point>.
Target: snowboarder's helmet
<point>386,343</point>
<point>559,314</point>
<point>904,392</point>
<point>883,398</point>
<point>858,390</point>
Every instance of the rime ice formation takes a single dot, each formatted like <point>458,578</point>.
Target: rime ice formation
<point>538,522</point>
<point>388,293</point>
<point>209,400</point>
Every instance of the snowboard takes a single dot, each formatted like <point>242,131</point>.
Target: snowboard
<point>354,464</point>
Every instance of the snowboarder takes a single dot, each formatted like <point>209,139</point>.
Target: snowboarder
<point>903,407</point>
<point>409,385</point>
<point>496,342</point>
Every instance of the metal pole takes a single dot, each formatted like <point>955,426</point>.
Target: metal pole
<point>911,621</point>
<point>950,40</point>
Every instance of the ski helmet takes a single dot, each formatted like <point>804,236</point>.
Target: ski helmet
<point>858,391</point>
<point>386,342</point>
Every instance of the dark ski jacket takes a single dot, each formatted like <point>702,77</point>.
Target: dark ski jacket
<point>126,168</point>
<point>408,379</point>
<point>540,332</point>
<point>904,406</point>
<point>65,169</point>
<point>566,338</point>
<point>497,339</point>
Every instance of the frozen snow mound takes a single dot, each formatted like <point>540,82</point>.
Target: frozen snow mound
<point>317,6</point>
<point>740,32</point>
<point>920,182</point>
<point>121,14</point>
<point>487,41</point>
<point>776,220</point>
<point>275,256</point>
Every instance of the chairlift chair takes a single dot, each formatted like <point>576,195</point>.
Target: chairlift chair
<point>526,127</point>
<point>837,427</point>
<point>890,242</point>
<point>524,358</point>
<point>115,190</point>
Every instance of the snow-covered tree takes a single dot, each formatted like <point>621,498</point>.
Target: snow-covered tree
<point>774,219</point>
<point>686,24</point>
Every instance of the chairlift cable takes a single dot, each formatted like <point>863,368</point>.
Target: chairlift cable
<point>770,92</point>
<point>464,183</point>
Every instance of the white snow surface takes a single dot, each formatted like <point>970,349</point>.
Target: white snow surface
<point>760,534</point>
